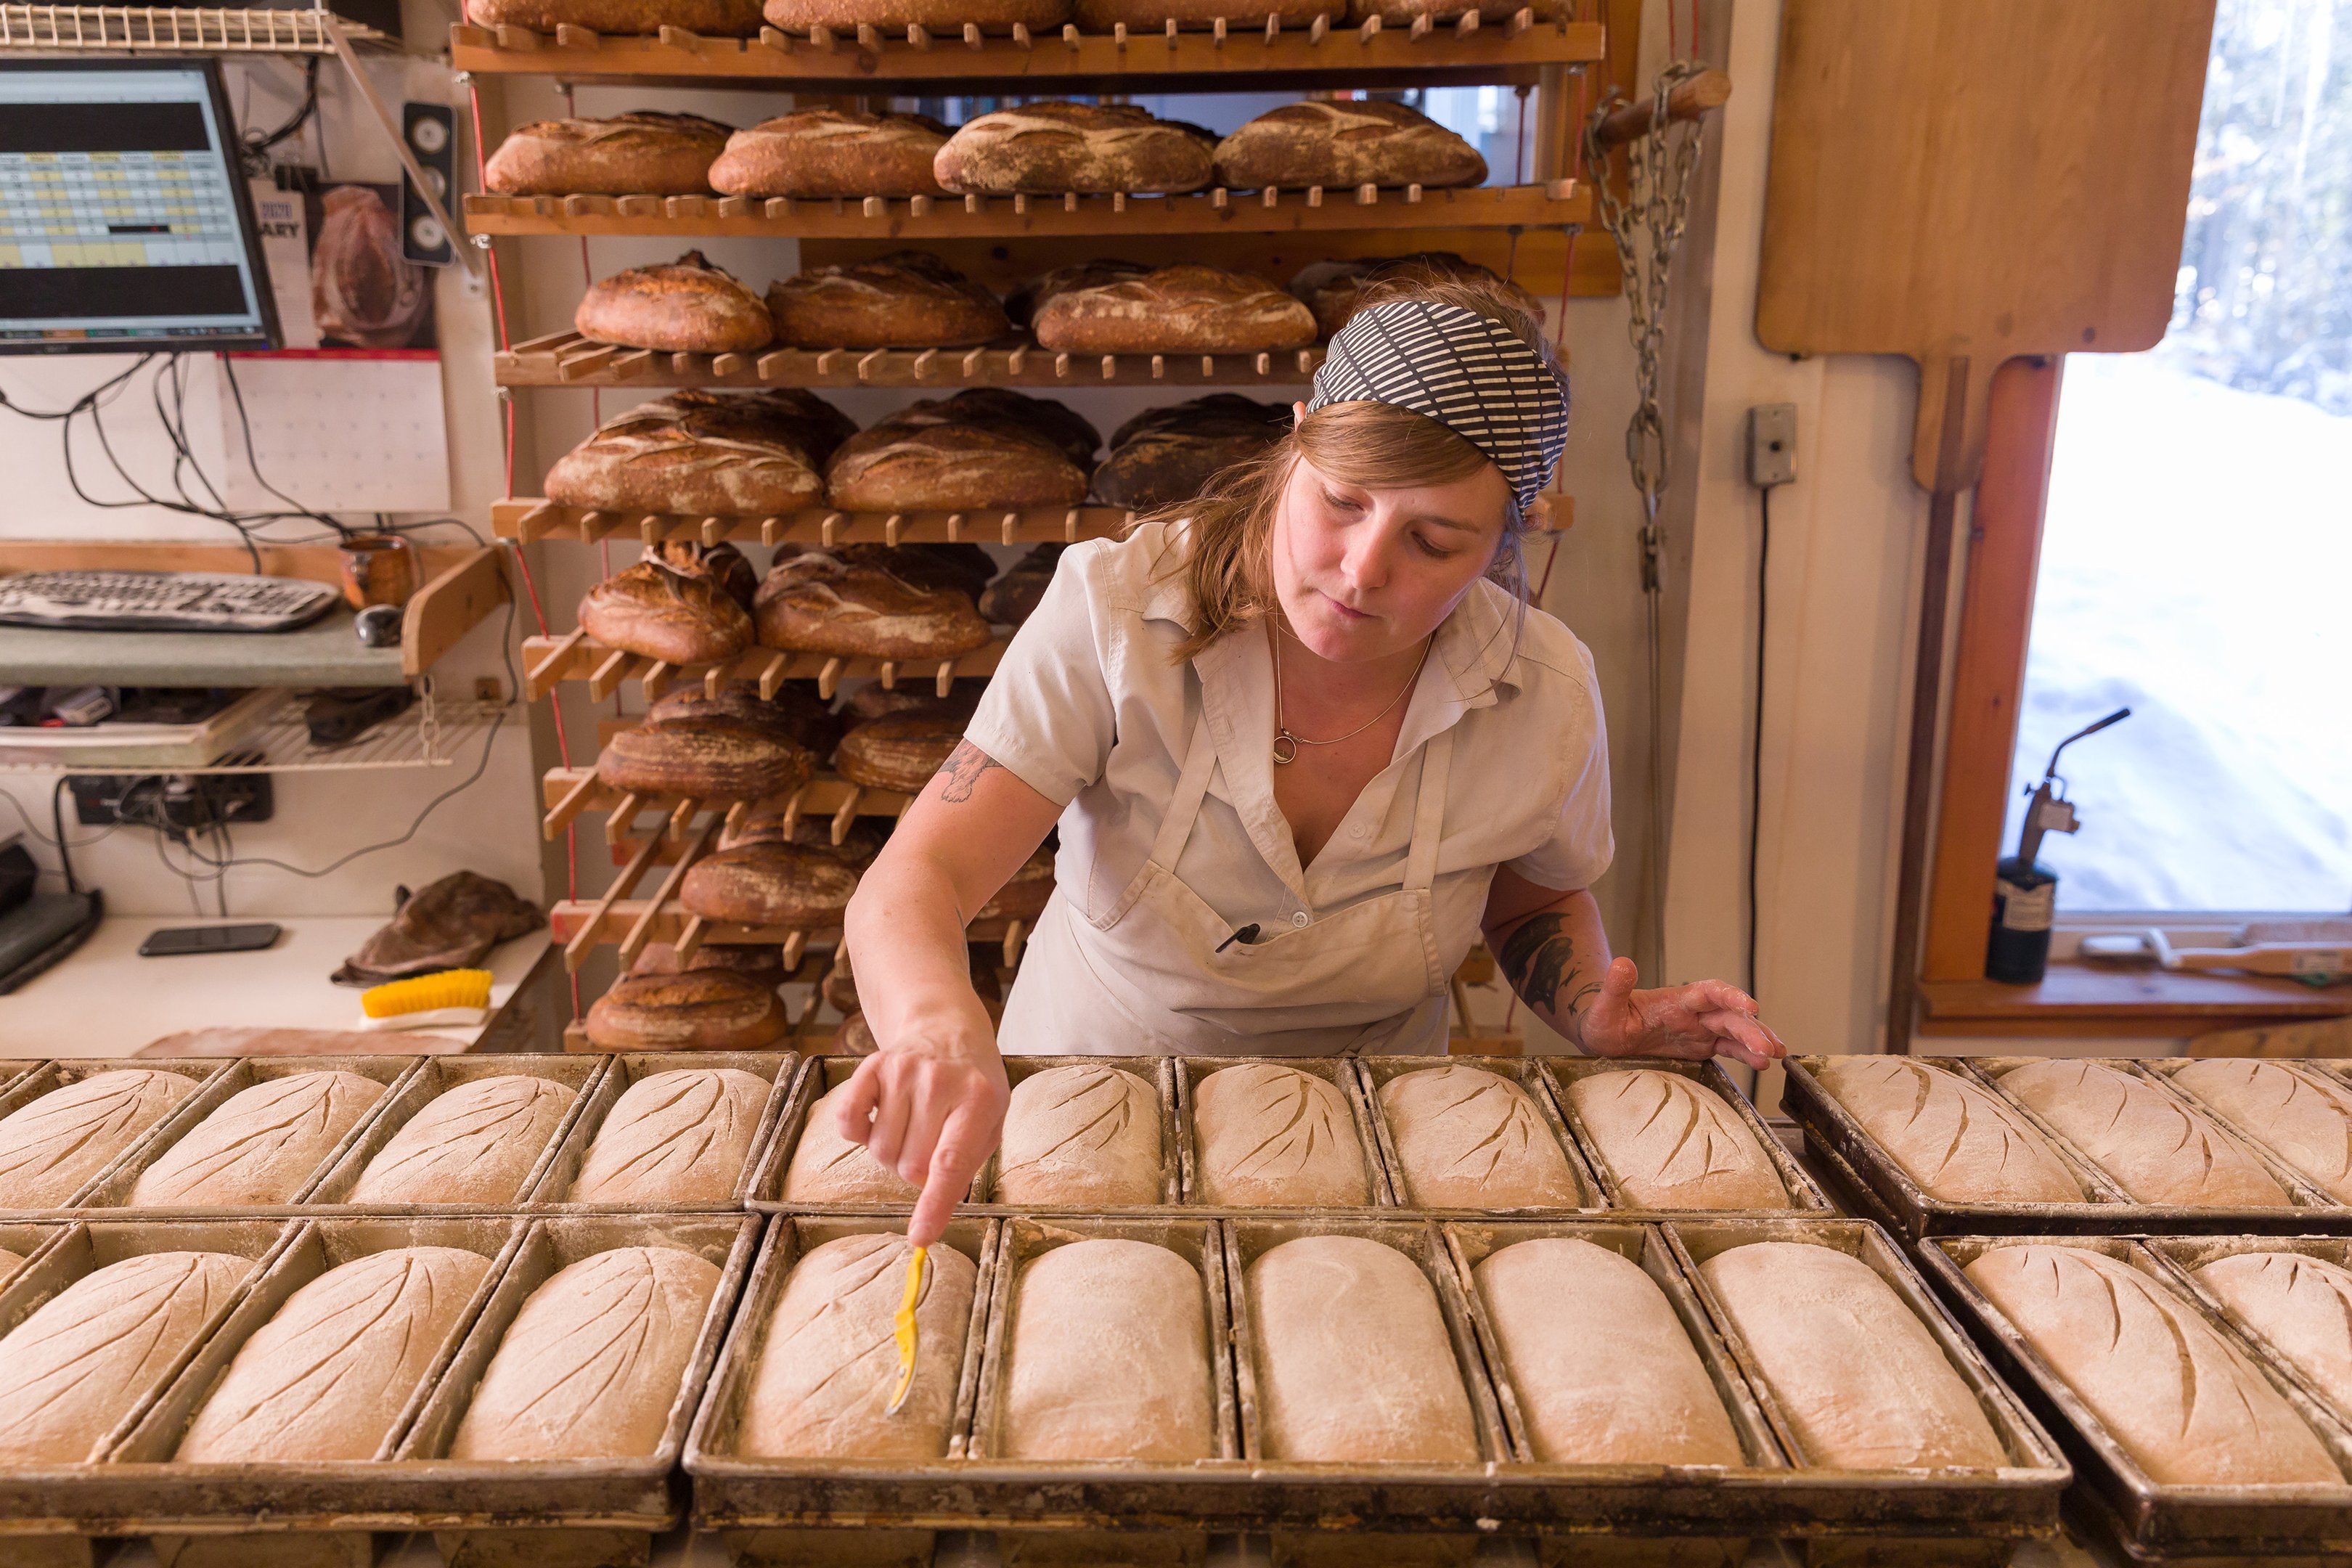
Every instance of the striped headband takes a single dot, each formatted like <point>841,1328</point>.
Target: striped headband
<point>1471,373</point>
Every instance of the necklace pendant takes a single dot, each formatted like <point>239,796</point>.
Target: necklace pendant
<point>1286,747</point>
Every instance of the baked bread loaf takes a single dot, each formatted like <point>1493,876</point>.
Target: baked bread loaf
<point>1022,304</point>
<point>856,1037</point>
<point>958,568</point>
<point>1177,310</point>
<point>1167,455</point>
<point>764,965</point>
<point>993,17</point>
<point>1673,1144</point>
<point>674,1138</point>
<point>2301,1115</point>
<point>713,18</point>
<point>769,885</point>
<point>1052,146</point>
<point>1469,1138</point>
<point>827,153</point>
<point>1108,1357</point>
<point>1354,1364</point>
<point>590,1365</point>
<point>827,1168</point>
<point>654,611</point>
<point>2156,1148</point>
<point>1025,894</point>
<point>471,1144</point>
<point>1335,290</point>
<point>76,1366</point>
<point>1634,1393</point>
<point>1014,597</point>
<point>875,700</point>
<point>716,760</point>
<point>739,454</point>
<point>1057,423</point>
<point>1271,1134</point>
<point>1344,144</point>
<point>2302,1306</point>
<point>792,714</point>
<point>643,152</point>
<point>828,1348</point>
<point>817,602</point>
<point>1804,1309</point>
<point>906,299</point>
<point>329,1375</point>
<point>856,849</point>
<point>1080,1136</point>
<point>2181,1400</point>
<point>900,752</point>
<point>687,306</point>
<point>52,1148</point>
<point>1198,16</point>
<point>839,987</point>
<point>1404,13</point>
<point>904,464</point>
<point>261,1145</point>
<point>1958,1141</point>
<point>702,1010</point>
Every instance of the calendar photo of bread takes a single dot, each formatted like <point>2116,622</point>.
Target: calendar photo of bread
<point>643,152</point>
<point>713,18</point>
<point>1199,15</point>
<point>907,299</point>
<point>704,452</point>
<point>1054,146</point>
<point>1177,310</point>
<point>995,18</point>
<point>1343,143</point>
<point>685,307</point>
<point>818,154</point>
<point>816,602</point>
<point>655,611</point>
<point>932,459</point>
<point>1336,291</point>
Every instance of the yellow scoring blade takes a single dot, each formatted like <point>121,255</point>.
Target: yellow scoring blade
<point>904,1328</point>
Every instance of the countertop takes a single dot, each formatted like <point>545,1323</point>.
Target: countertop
<point>327,652</point>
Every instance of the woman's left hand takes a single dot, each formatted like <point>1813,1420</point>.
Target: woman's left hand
<point>1690,1023</point>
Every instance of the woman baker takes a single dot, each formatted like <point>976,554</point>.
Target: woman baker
<point>1305,742</point>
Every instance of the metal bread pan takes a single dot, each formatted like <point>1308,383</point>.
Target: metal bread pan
<point>1374,1072</point>
<point>2166,1070</point>
<point>1158,1071</point>
<point>23,1241</point>
<point>552,1192</point>
<point>2179,1257</point>
<point>14,1068</point>
<point>2149,1522</point>
<point>1339,1071</point>
<point>818,1077</point>
<point>1805,1196</point>
<point>434,1077</point>
<point>51,1076</point>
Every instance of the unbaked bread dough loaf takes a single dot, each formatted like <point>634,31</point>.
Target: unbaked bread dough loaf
<point>1469,1138</point>
<point>1274,1135</point>
<point>674,1138</point>
<point>1672,1142</point>
<point>328,1375</point>
<point>1862,1381</point>
<point>1953,1137</point>
<point>1604,1373</point>
<point>77,1365</point>
<point>828,1360</point>
<point>1081,1136</point>
<point>51,1147</point>
<point>2156,1148</point>
<point>261,1145</point>
<point>1353,1361</point>
<point>472,1144</point>
<point>2302,1305</point>
<point>590,1365</point>
<point>827,1168</point>
<point>2180,1399</point>
<point>1110,1357</point>
<point>2302,1115</point>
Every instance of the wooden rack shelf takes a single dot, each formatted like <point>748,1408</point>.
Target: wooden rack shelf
<point>575,656</point>
<point>171,29</point>
<point>567,358</point>
<point>528,520</point>
<point>570,793</point>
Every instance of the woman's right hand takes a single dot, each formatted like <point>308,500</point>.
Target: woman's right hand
<point>931,1106</point>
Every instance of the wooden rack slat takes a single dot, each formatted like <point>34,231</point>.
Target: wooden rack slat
<point>605,669</point>
<point>579,791</point>
<point>566,359</point>
<point>664,921</point>
<point>528,518</point>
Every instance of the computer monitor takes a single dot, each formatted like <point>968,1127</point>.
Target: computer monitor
<point>124,221</point>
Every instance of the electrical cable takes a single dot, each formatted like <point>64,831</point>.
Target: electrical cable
<point>228,369</point>
<point>57,821</point>
<point>258,144</point>
<point>1756,750</point>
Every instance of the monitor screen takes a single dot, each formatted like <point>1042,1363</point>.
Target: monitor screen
<point>124,220</point>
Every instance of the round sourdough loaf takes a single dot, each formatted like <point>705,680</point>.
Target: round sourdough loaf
<point>718,19</point>
<point>1958,1141</point>
<point>906,299</point>
<point>51,1149</point>
<point>856,1037</point>
<point>2302,1306</point>
<point>2157,1149</point>
<point>769,885</point>
<point>875,700</point>
<point>1194,16</point>
<point>1271,1134</point>
<point>1014,597</point>
<point>652,610</point>
<point>1024,893</point>
<point>900,752</point>
<point>471,1144</point>
<point>1015,413</point>
<point>704,452</point>
<point>686,307</point>
<point>2300,1114</point>
<point>674,1138</point>
<point>792,714</point>
<point>1177,310</point>
<point>1054,146</point>
<point>1108,1357</point>
<point>1345,143</point>
<point>261,1145</point>
<point>827,1168</point>
<point>826,152</point>
<point>965,568</point>
<point>643,152</point>
<point>763,965</point>
<point>1472,1139</point>
<point>1022,304</point>
<point>993,17</point>
<point>702,1010</point>
<point>1081,1136</point>
<point>1403,13</point>
<point>951,466</point>
<point>1673,1144</point>
<point>1336,291</point>
<point>717,759</point>
<point>820,601</point>
<point>856,849</point>
<point>1167,455</point>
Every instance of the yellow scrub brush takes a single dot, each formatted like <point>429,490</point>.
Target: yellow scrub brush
<point>453,998</point>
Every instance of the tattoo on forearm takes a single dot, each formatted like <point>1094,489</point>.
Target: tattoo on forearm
<point>962,769</point>
<point>1539,957</point>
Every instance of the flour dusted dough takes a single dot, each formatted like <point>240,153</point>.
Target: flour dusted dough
<point>1353,1358</point>
<point>1674,1144</point>
<point>1604,1373</point>
<point>1081,1136</point>
<point>327,1376</point>
<point>1955,1138</point>
<point>2179,1398</point>
<point>675,1138</point>
<point>261,1145</point>
<point>472,1144</point>
<point>1469,1138</point>
<point>1863,1382</point>
<point>71,1371</point>
<point>827,1168</point>
<point>2302,1305</point>
<point>2302,1116</point>
<point>1110,1356</point>
<point>2156,1148</point>
<point>590,1367</point>
<point>1271,1134</point>
<point>49,1148</point>
<point>828,1360</point>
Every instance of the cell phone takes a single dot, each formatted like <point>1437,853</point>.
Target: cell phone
<point>173,942</point>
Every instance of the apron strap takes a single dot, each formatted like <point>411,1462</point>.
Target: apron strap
<point>1429,811</point>
<point>1192,788</point>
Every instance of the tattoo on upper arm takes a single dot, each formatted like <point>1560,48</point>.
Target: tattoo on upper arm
<point>962,769</point>
<point>1539,957</point>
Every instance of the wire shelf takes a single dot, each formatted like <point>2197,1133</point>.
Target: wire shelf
<point>172,30</point>
<point>431,733</point>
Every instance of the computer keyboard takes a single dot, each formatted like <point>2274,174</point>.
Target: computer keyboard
<point>161,601</point>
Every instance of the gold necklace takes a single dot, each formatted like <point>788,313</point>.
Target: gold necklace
<point>1284,739</point>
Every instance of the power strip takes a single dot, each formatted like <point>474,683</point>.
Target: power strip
<point>180,802</point>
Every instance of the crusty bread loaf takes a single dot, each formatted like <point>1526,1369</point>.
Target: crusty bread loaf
<point>328,1375</point>
<point>763,964</point>
<point>769,885</point>
<point>828,1361</point>
<point>792,713</point>
<point>1025,892</point>
<point>1605,1373</point>
<point>2302,1115</point>
<point>964,568</point>
<point>1404,13</point>
<point>1184,308</point>
<point>727,454</point>
<point>906,299</point>
<point>875,700</point>
<point>71,1371</point>
<point>856,1037</point>
<point>1196,15</point>
<point>1081,1136</point>
<point>817,602</point>
<point>824,153</point>
<point>1108,1357</point>
<point>1469,1138</point>
<point>1168,455</point>
<point>1068,431</point>
<point>2302,1306</point>
<point>900,752</point>
<point>1344,144</point>
<point>1805,1310</point>
<point>1022,304</point>
<point>1335,290</point>
<point>643,152</point>
<point>2156,1148</point>
<point>718,759</point>
<point>827,1168</point>
<point>1961,1142</point>
<point>52,1147</point>
<point>2181,1400</point>
<point>261,1145</point>
<point>702,1010</point>
<point>856,849</point>
<point>686,307</point>
<point>910,462</point>
<point>1052,146</point>
<point>592,1364</point>
<point>677,1137</point>
<point>1270,1134</point>
<point>471,1144</point>
<point>715,19</point>
<point>1014,596</point>
<point>1673,1144</point>
<point>680,618</point>
<point>993,17</point>
<point>1354,1364</point>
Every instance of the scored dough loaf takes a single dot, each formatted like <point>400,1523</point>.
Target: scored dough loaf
<point>702,1010</point>
<point>827,1168</point>
<point>674,1138</point>
<point>1184,308</point>
<point>1110,1357</point>
<point>2180,1399</point>
<point>471,1144</point>
<point>74,1368</point>
<point>1862,1381</point>
<point>327,1376</point>
<point>590,1365</point>
<point>2302,1116</point>
<point>2156,1148</point>
<point>1053,146</point>
<point>827,153</point>
<point>1081,1136</point>
<point>1958,1141</point>
<point>9,1263</point>
<point>1674,1144</point>
<point>1354,1362</point>
<point>261,1145</point>
<point>50,1148</point>
<point>828,1359</point>
<point>2302,1305</point>
<point>712,18</point>
<point>687,306</point>
<point>1271,1134</point>
<point>1469,1138</point>
<point>643,152</point>
<point>1604,1373</point>
<point>1344,144</point>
